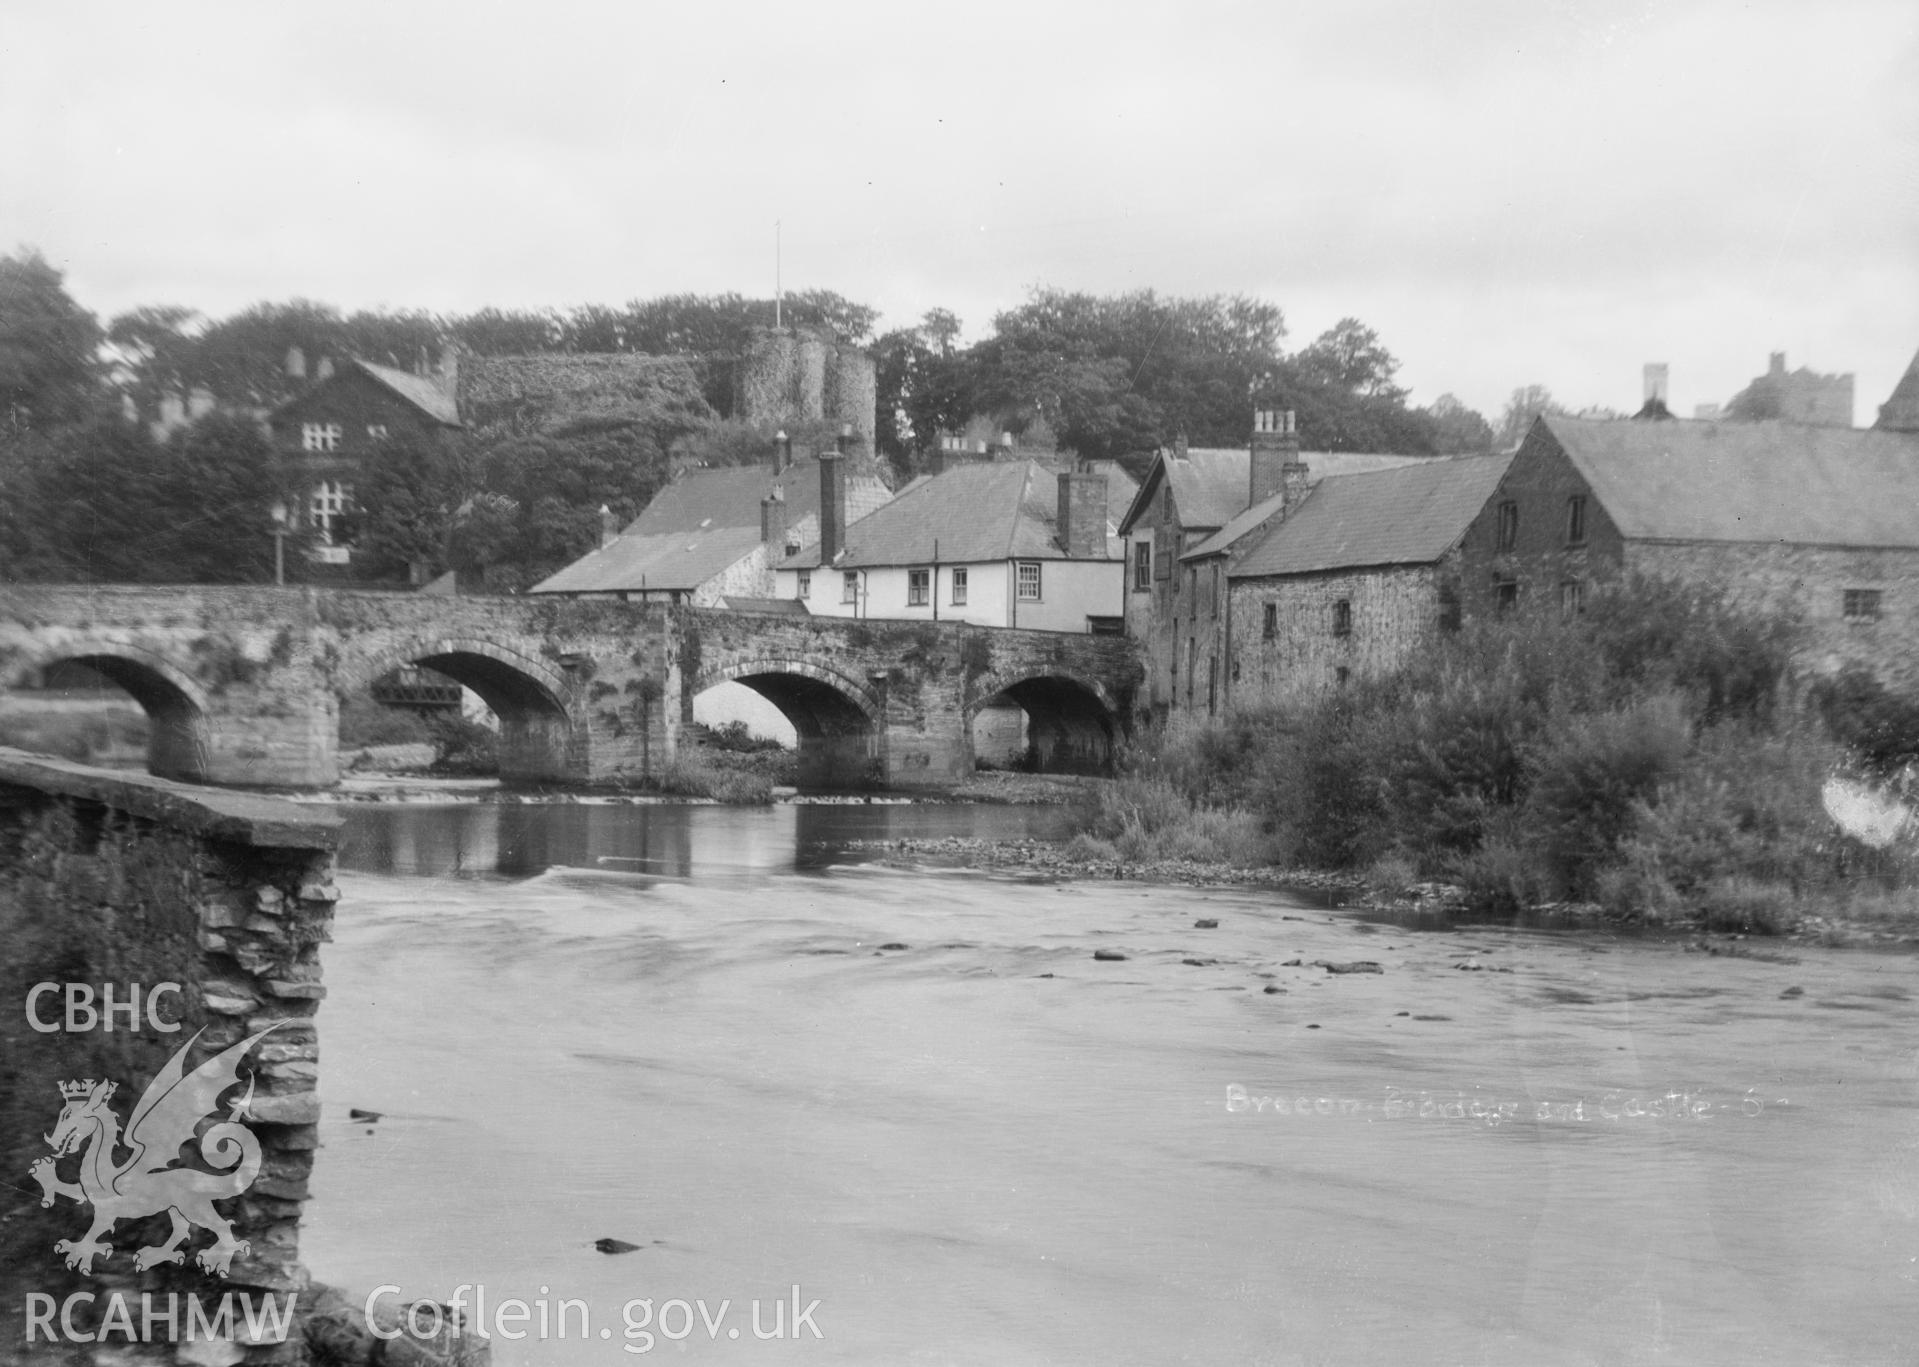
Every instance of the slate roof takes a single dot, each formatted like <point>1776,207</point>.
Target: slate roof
<point>1243,523</point>
<point>423,393</point>
<point>1411,515</point>
<point>984,512</point>
<point>730,496</point>
<point>1210,484</point>
<point>664,560</point>
<point>1748,481</point>
<point>1901,408</point>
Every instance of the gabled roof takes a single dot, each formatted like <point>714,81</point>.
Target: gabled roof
<point>1210,483</point>
<point>976,513</point>
<point>666,560</point>
<point>1241,524</point>
<point>420,391</point>
<point>1411,515</point>
<point>729,496</point>
<point>1900,411</point>
<point>1747,481</point>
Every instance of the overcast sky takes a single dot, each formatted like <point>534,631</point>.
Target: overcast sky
<point>1510,191</point>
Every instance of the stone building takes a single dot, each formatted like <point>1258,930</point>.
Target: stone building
<point>1798,395</point>
<point>331,427</point>
<point>1344,585</point>
<point>1814,520</point>
<point>1187,498</point>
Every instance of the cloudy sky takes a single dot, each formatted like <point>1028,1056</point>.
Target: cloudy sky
<point>1510,191</point>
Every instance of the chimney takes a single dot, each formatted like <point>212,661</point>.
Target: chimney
<point>1275,451</point>
<point>1082,514</point>
<point>1654,406</point>
<point>1005,446</point>
<point>296,363</point>
<point>1778,366</point>
<point>1179,447</point>
<point>609,527</point>
<point>782,452</point>
<point>773,524</point>
<point>844,444</point>
<point>832,505</point>
<point>449,370</point>
<point>324,371</point>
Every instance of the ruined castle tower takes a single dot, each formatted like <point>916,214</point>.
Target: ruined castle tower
<point>801,374</point>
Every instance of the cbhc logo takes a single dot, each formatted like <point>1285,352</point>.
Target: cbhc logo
<point>82,1015</point>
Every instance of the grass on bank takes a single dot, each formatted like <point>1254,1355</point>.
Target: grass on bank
<point>1653,755</point>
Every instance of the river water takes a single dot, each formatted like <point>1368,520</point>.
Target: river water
<point>918,1098</point>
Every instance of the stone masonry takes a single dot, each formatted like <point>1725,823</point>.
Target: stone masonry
<point>243,684</point>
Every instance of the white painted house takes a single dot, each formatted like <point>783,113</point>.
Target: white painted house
<point>1001,544</point>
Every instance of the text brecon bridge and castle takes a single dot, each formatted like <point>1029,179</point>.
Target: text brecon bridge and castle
<point>242,685</point>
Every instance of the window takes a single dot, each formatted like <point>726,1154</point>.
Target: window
<point>1572,598</point>
<point>1863,605</point>
<point>919,589</point>
<point>1212,685</point>
<point>376,430</point>
<point>1576,520</point>
<point>1142,566</point>
<point>1343,617</point>
<point>1508,526</point>
<point>959,586</point>
<point>1270,629</point>
<point>327,511</point>
<point>1192,666</point>
<point>320,436</point>
<point>1449,606</point>
<point>850,586</point>
<point>806,583</point>
<point>1216,588</point>
<point>1028,581</point>
<point>1505,593</point>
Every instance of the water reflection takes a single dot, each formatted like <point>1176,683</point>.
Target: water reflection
<point>520,840</point>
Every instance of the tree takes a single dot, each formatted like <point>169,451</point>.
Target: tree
<point>1527,403</point>
<point>49,369</point>
<point>407,497</point>
<point>1349,356</point>
<point>925,386</point>
<point>1341,387</point>
<point>1457,430</point>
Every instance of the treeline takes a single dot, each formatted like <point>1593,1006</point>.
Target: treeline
<point>88,491</point>
<point>1647,755</point>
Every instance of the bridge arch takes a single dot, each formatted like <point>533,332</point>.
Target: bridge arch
<point>529,696</point>
<point>1072,723</point>
<point>838,720</point>
<point>179,741</point>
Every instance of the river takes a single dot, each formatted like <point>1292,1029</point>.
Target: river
<point>917,1097</point>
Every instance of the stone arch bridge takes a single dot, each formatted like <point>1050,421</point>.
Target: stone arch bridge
<point>242,685</point>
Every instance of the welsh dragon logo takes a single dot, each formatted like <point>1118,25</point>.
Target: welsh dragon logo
<point>150,1180</point>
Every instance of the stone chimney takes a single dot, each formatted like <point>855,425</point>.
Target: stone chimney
<point>1082,514</point>
<point>1654,404</point>
<point>447,373</point>
<point>296,363</point>
<point>1005,451</point>
<point>773,523</point>
<point>782,452</point>
<point>832,504</point>
<point>1275,450</point>
<point>324,371</point>
<point>609,527</point>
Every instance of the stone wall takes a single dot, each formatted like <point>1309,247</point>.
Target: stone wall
<point>108,881</point>
<point>1388,613</point>
<point>1811,582</point>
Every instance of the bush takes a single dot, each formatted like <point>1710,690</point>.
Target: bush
<point>463,747</point>
<point>1879,726</point>
<point>1746,904</point>
<point>1588,780</point>
<point>1501,878</point>
<point>692,773</point>
<point>364,722</point>
<point>1146,819</point>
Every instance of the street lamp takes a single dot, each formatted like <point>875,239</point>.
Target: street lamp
<point>279,514</point>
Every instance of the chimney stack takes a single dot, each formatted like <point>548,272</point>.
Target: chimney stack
<point>1275,465</point>
<point>1778,366</point>
<point>1082,514</point>
<point>296,363</point>
<point>609,528</point>
<point>832,504</point>
<point>1655,384</point>
<point>773,524</point>
<point>782,452</point>
<point>1005,446</point>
